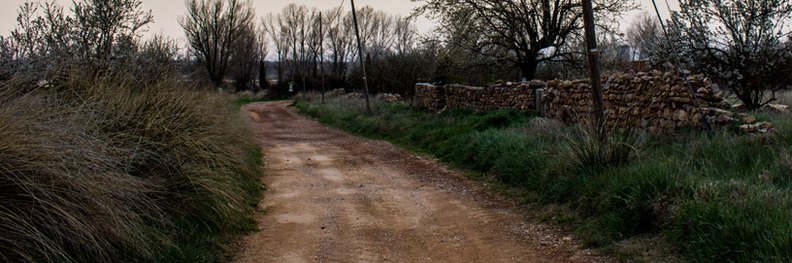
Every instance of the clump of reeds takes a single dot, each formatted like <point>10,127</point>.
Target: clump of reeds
<point>101,167</point>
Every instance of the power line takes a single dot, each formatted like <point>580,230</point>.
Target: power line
<point>340,7</point>
<point>679,65</point>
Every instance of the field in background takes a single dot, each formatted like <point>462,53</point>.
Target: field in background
<point>107,168</point>
<point>725,199</point>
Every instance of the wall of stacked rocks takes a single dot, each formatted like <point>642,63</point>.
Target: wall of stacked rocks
<point>645,100</point>
<point>653,100</point>
<point>520,96</point>
<point>429,96</point>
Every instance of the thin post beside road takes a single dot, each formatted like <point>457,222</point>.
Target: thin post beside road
<point>321,55</point>
<point>593,60</point>
<point>362,57</point>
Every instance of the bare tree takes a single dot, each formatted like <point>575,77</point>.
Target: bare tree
<point>524,33</point>
<point>157,58</point>
<point>299,42</point>
<point>245,58</point>
<point>29,35</point>
<point>262,58</point>
<point>314,43</point>
<point>107,27</point>
<point>296,22</point>
<point>377,31</point>
<point>8,52</point>
<point>277,30</point>
<point>213,27</point>
<point>339,40</point>
<point>97,30</point>
<point>7,49</point>
<point>738,43</point>
<point>405,34</point>
<point>644,35</point>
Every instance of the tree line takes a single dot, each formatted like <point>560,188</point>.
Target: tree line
<point>741,45</point>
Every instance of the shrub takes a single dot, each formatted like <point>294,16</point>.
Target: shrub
<point>65,193</point>
<point>590,148</point>
<point>106,168</point>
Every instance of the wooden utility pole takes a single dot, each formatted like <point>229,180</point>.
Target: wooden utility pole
<point>303,62</point>
<point>362,57</point>
<point>593,60</point>
<point>321,55</point>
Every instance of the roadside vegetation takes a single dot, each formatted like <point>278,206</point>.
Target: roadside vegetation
<point>248,97</point>
<point>110,153</point>
<point>725,199</point>
<point>104,168</point>
<point>117,148</point>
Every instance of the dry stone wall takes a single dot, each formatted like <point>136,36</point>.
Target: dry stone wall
<point>653,100</point>
<point>519,96</point>
<point>646,100</point>
<point>429,96</point>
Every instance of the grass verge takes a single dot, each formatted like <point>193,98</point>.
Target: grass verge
<point>725,199</point>
<point>247,97</point>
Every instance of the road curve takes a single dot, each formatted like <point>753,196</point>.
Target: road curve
<point>333,197</point>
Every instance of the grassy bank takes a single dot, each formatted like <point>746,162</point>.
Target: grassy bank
<point>725,199</point>
<point>105,168</point>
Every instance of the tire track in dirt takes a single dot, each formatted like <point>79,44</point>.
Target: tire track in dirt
<point>333,197</point>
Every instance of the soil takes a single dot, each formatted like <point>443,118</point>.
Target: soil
<point>333,197</point>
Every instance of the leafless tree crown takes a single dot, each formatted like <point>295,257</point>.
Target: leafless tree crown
<point>212,28</point>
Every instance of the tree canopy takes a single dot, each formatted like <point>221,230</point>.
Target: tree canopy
<point>524,33</point>
<point>741,44</point>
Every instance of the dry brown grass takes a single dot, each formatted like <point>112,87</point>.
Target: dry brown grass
<point>106,168</point>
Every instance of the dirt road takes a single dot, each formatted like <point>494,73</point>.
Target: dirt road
<point>333,197</point>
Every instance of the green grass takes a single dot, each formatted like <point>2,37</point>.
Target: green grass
<point>725,199</point>
<point>247,98</point>
<point>103,168</point>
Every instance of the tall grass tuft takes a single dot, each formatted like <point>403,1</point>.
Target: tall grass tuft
<point>105,168</point>
<point>591,147</point>
<point>65,194</point>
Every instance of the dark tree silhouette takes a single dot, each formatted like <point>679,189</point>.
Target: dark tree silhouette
<point>213,27</point>
<point>524,33</point>
<point>738,43</point>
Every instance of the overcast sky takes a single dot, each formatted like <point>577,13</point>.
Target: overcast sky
<point>166,12</point>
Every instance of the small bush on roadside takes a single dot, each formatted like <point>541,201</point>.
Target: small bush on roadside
<point>589,148</point>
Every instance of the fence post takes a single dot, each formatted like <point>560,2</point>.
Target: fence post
<point>539,96</point>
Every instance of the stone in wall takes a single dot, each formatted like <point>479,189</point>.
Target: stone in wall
<point>389,97</point>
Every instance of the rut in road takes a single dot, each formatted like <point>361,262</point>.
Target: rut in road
<point>334,197</point>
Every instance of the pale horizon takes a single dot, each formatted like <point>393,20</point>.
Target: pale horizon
<point>167,12</point>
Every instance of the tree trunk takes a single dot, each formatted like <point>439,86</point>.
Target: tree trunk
<point>216,79</point>
<point>280,71</point>
<point>262,75</point>
<point>528,68</point>
<point>748,99</point>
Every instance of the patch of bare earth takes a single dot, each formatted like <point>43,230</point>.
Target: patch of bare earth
<point>333,197</point>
